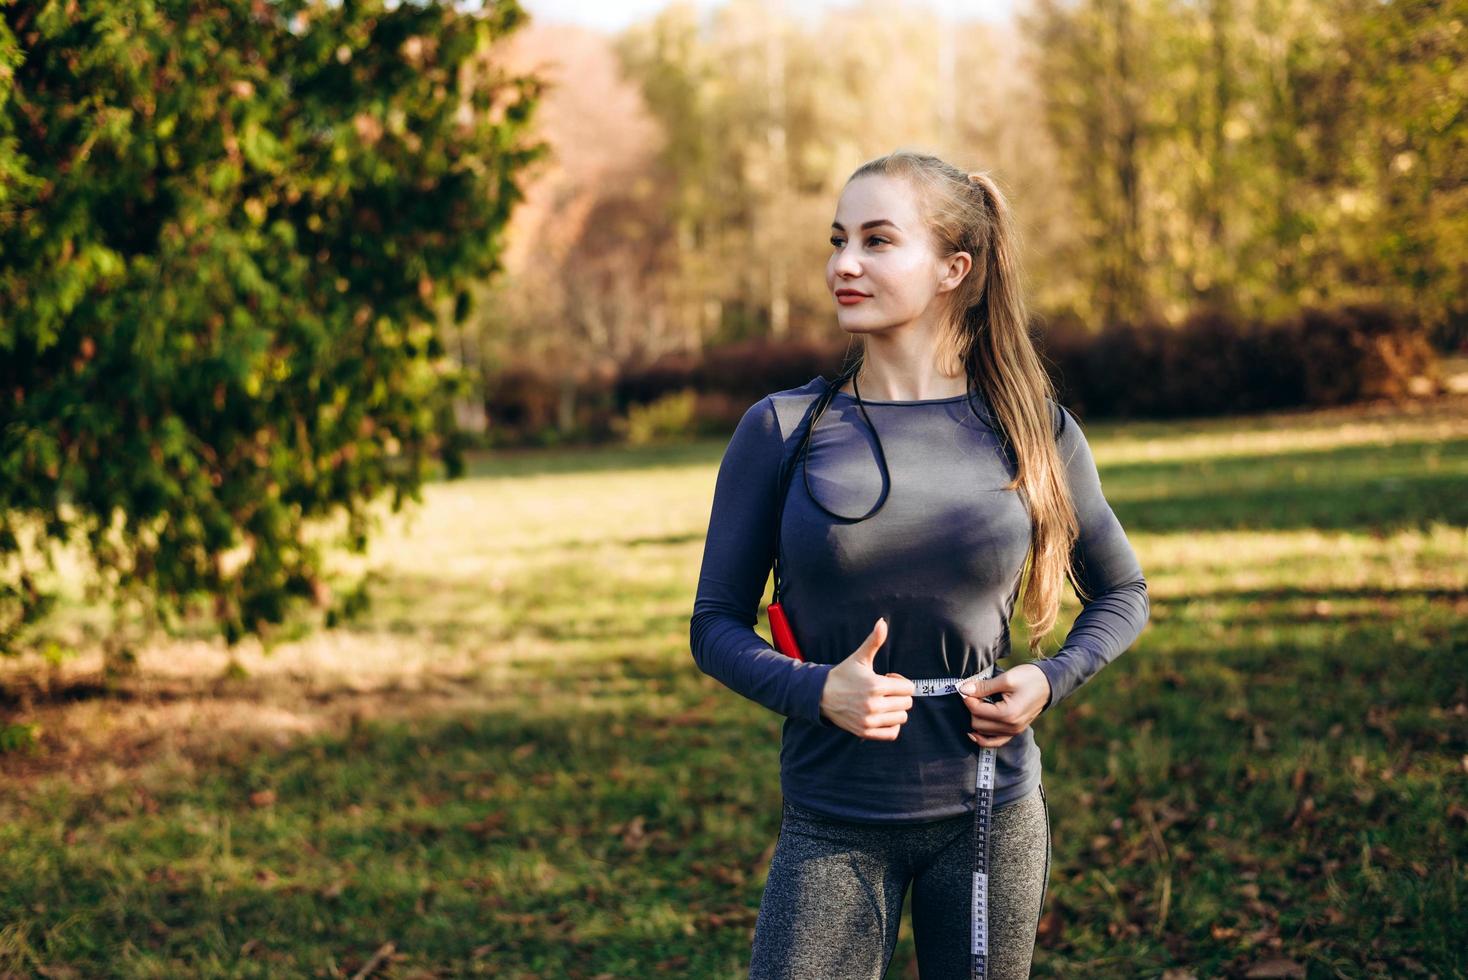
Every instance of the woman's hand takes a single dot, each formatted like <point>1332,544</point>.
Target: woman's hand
<point>859,700</point>
<point>1024,691</point>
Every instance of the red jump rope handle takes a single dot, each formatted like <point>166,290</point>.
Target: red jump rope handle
<point>784,638</point>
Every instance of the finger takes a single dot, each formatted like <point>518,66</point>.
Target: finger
<point>986,727</point>
<point>895,684</point>
<point>878,703</point>
<point>989,742</point>
<point>996,726</point>
<point>869,647</point>
<point>889,702</point>
<point>996,713</point>
<point>988,718</point>
<point>986,686</point>
<point>887,734</point>
<point>887,719</point>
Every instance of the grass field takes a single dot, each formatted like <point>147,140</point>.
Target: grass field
<point>510,766</point>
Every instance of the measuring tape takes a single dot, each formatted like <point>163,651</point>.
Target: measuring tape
<point>983,819</point>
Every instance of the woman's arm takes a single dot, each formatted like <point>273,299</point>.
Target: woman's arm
<point>737,555</point>
<point>1107,568</point>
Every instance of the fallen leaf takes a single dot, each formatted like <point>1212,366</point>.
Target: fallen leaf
<point>1297,782</point>
<point>1261,738</point>
<point>634,836</point>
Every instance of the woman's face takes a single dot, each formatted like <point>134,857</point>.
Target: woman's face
<point>891,260</point>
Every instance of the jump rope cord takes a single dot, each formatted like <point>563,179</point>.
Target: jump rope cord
<point>798,459</point>
<point>987,758</point>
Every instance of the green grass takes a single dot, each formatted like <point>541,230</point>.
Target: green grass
<point>520,772</point>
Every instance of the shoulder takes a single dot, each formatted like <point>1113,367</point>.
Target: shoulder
<point>771,421</point>
<point>1064,423</point>
<point>784,410</point>
<point>1070,438</point>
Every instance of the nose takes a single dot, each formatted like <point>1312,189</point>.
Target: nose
<point>843,263</point>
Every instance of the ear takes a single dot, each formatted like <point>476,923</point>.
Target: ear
<point>959,264</point>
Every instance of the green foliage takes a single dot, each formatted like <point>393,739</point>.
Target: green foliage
<point>1239,156</point>
<point>225,231</point>
<point>16,738</point>
<point>670,416</point>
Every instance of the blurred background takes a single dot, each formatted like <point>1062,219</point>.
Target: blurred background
<point>365,369</point>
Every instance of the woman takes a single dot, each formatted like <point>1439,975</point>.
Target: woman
<point>899,506</point>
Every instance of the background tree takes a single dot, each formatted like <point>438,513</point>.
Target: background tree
<point>1248,156</point>
<point>1258,156</point>
<point>224,232</point>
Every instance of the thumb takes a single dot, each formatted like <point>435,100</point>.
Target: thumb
<point>867,652</point>
<point>984,686</point>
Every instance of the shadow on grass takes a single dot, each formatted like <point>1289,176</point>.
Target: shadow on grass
<point>1353,488</point>
<point>545,839</point>
<point>1272,792</point>
<point>1294,798</point>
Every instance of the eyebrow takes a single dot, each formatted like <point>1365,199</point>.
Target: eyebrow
<point>868,224</point>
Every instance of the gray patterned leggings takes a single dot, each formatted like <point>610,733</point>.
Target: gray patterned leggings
<point>833,900</point>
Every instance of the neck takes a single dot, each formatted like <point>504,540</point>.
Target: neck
<point>885,384</point>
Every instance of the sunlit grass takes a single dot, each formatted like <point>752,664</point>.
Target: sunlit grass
<point>509,765</point>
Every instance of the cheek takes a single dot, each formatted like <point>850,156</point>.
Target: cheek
<point>905,275</point>
<point>905,286</point>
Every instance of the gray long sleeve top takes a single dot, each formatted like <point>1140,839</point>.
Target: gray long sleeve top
<point>941,560</point>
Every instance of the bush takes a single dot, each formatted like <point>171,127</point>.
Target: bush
<point>1211,364</point>
<point>1214,364</point>
<point>746,371</point>
<point>524,404</point>
<point>521,401</point>
<point>670,417</point>
<point>1363,352</point>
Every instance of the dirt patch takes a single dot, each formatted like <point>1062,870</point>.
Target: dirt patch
<point>183,707</point>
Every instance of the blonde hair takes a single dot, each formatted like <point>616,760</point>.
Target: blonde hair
<point>986,336</point>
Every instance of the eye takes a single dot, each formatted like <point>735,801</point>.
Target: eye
<point>836,240</point>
